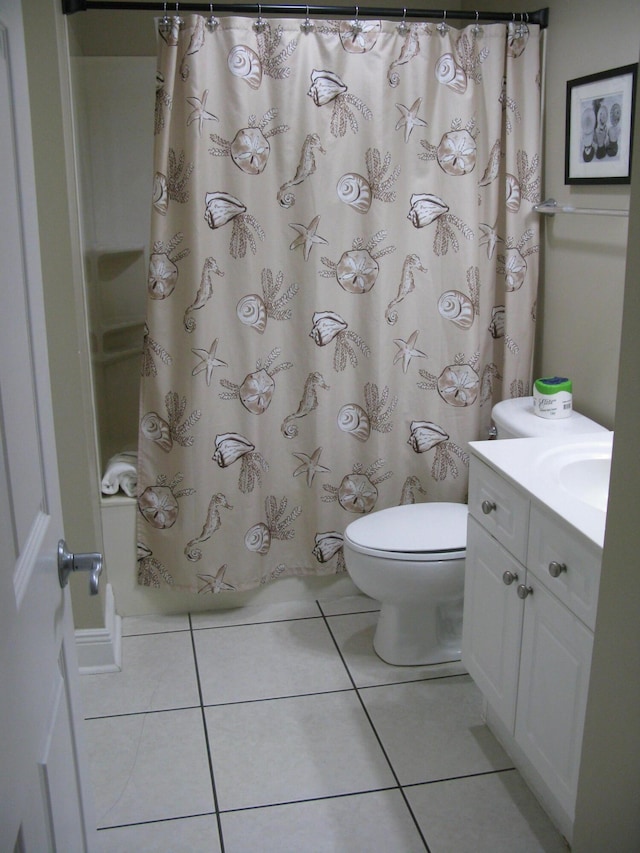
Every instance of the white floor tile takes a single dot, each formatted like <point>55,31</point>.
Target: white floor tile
<point>433,729</point>
<point>484,814</point>
<point>268,660</point>
<point>376,823</point>
<point>354,636</point>
<point>149,767</point>
<point>255,613</point>
<point>158,673</point>
<point>154,624</point>
<point>293,749</point>
<point>308,769</point>
<point>189,835</point>
<point>348,604</point>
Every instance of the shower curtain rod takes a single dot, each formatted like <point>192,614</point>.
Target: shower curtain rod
<point>540,16</point>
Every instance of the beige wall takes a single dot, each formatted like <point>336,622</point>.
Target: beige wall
<point>63,293</point>
<point>583,269</point>
<point>584,264</point>
<point>610,769</point>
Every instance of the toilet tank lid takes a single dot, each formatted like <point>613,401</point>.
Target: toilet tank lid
<point>413,528</point>
<point>516,416</point>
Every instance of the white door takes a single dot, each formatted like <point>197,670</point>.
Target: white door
<point>44,804</point>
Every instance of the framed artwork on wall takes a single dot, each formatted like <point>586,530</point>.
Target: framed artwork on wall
<point>599,127</point>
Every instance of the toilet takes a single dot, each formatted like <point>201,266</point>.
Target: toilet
<point>410,558</point>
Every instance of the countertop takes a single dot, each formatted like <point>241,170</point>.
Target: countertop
<point>534,465</point>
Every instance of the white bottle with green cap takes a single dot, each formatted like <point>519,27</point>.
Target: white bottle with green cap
<point>552,397</point>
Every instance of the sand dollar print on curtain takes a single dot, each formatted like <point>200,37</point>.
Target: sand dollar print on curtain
<point>342,281</point>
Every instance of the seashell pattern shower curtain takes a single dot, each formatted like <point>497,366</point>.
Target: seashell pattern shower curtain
<point>342,282</point>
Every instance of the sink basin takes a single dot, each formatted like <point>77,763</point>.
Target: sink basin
<point>587,480</point>
<point>567,476</point>
<point>581,470</point>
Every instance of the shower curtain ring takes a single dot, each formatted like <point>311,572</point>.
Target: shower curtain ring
<point>403,27</point>
<point>212,22</point>
<point>356,26</point>
<point>307,26</point>
<point>259,25</point>
<point>522,29</point>
<point>177,20</point>
<point>164,25</point>
<point>443,26</point>
<point>476,29</point>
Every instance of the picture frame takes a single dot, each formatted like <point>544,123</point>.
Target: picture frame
<point>600,114</point>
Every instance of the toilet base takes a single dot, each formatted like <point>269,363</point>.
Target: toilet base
<point>407,635</point>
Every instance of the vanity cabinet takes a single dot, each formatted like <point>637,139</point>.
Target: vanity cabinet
<point>529,612</point>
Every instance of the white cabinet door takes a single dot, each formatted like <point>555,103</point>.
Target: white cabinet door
<point>554,678</point>
<point>492,621</point>
<point>500,507</point>
<point>578,582</point>
<point>44,794</point>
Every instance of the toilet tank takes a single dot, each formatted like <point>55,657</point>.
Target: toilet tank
<point>516,419</point>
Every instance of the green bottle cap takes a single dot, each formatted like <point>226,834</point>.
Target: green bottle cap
<point>553,385</point>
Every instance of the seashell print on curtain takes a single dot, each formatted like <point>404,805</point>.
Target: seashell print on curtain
<point>342,283</point>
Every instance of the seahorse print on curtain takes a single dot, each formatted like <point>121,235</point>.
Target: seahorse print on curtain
<point>342,281</point>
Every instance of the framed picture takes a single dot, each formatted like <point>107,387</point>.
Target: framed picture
<point>599,132</point>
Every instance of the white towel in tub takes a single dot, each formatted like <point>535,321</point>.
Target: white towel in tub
<point>121,473</point>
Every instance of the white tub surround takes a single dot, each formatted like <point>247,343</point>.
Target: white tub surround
<point>119,536</point>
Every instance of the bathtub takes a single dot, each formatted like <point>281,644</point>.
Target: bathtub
<point>119,540</point>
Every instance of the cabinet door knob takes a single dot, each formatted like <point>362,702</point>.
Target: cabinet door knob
<point>488,507</point>
<point>523,591</point>
<point>556,569</point>
<point>509,577</point>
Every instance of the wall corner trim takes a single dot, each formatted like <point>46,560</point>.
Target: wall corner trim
<point>100,649</point>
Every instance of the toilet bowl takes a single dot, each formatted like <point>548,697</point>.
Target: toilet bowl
<point>410,558</point>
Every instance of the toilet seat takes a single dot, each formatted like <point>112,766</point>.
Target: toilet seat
<point>428,532</point>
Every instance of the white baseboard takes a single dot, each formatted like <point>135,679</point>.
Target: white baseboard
<point>100,649</point>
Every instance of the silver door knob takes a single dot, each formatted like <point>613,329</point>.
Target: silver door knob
<point>523,591</point>
<point>488,507</point>
<point>556,569</point>
<point>509,577</point>
<point>68,562</point>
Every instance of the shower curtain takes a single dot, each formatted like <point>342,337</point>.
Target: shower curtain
<point>342,281</point>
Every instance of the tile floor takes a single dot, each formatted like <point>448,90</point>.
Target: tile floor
<point>276,728</point>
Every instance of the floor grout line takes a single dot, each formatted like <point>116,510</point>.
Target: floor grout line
<point>318,799</point>
<point>216,804</point>
<point>377,736</point>
<point>143,713</point>
<point>154,821</point>
<point>477,775</point>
